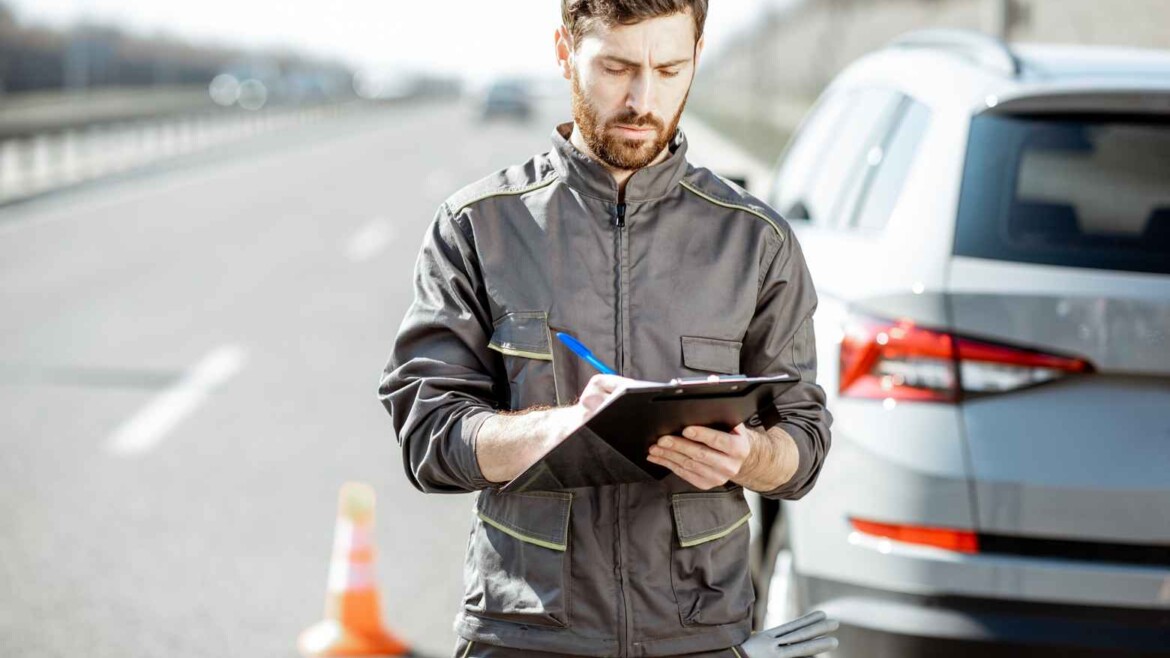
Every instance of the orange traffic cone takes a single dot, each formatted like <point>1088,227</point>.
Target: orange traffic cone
<point>353,617</point>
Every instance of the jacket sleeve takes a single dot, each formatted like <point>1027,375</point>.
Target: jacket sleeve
<point>779,340</point>
<point>438,383</point>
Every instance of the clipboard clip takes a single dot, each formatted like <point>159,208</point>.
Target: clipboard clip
<point>709,378</point>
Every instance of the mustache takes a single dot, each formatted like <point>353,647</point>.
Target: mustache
<point>646,121</point>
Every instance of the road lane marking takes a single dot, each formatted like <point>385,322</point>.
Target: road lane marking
<point>368,242</point>
<point>150,425</point>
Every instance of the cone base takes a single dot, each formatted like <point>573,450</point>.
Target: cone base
<point>329,638</point>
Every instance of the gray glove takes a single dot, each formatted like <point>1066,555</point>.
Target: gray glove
<point>806,636</point>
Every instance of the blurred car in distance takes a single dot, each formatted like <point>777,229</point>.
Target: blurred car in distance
<point>989,231</point>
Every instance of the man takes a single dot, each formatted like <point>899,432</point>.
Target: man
<point>663,269</point>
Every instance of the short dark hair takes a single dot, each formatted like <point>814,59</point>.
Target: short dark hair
<point>580,15</point>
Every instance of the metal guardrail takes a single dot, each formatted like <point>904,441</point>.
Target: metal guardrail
<point>30,113</point>
<point>38,163</point>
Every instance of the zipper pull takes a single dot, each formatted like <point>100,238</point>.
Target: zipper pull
<point>620,218</point>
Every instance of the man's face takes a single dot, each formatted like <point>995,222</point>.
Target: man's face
<point>630,85</point>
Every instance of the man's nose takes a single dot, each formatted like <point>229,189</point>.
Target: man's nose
<point>641,97</point>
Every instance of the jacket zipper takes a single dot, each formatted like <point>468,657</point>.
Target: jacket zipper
<point>625,628</point>
<point>619,223</point>
<point>619,244</point>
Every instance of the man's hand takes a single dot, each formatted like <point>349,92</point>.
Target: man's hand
<point>708,458</point>
<point>597,390</point>
<point>509,442</point>
<point>705,457</point>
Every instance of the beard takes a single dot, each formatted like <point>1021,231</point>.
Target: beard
<point>621,152</point>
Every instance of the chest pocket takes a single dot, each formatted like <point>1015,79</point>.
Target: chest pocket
<point>711,354</point>
<point>523,339</point>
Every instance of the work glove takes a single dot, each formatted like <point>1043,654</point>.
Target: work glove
<point>806,636</point>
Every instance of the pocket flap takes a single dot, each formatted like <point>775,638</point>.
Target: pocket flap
<point>714,354</point>
<point>538,517</point>
<point>704,517</point>
<point>522,334</point>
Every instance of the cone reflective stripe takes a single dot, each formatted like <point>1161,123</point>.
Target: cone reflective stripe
<point>353,617</point>
<point>352,567</point>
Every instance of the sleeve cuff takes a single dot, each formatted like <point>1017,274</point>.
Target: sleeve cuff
<point>793,487</point>
<point>469,431</point>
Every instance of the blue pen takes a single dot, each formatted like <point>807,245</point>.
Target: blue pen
<point>584,353</point>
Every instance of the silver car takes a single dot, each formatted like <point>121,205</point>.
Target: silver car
<point>989,231</point>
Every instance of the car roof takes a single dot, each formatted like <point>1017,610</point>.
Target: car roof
<point>1062,62</point>
<point>968,70</point>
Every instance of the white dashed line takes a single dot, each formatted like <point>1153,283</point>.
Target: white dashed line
<point>375,236</point>
<point>147,428</point>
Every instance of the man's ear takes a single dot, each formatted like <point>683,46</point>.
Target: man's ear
<point>698,51</point>
<point>564,51</point>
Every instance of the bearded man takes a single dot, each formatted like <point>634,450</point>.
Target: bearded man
<point>665,270</point>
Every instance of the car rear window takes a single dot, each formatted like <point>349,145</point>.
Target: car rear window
<point>1074,191</point>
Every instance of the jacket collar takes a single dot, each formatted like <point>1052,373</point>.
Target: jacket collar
<point>588,176</point>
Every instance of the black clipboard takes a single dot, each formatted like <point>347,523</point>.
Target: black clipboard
<point>611,447</point>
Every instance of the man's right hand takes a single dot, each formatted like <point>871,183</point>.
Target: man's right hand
<point>508,443</point>
<point>597,390</point>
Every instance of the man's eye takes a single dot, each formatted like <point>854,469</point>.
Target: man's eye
<point>669,74</point>
<point>614,71</point>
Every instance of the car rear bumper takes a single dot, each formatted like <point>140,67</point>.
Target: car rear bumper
<point>876,624</point>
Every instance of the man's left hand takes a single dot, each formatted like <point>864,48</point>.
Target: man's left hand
<point>703,456</point>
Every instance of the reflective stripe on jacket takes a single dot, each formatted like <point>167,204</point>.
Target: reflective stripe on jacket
<point>684,275</point>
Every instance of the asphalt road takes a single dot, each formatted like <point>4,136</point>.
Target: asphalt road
<point>287,262</point>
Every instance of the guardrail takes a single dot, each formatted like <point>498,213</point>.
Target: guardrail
<point>29,113</point>
<point>34,164</point>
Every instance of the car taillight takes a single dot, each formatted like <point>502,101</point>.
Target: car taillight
<point>962,541</point>
<point>898,360</point>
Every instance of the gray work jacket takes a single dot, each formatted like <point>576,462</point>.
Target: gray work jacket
<point>684,275</point>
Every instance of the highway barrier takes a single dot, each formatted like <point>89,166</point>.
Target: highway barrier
<point>37,163</point>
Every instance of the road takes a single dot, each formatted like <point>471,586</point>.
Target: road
<point>189,361</point>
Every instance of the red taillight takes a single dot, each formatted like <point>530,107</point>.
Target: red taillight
<point>898,360</point>
<point>962,541</point>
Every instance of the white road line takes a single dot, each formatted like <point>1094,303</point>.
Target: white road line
<point>146,428</point>
<point>375,236</point>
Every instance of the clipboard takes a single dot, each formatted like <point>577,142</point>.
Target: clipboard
<point>611,447</point>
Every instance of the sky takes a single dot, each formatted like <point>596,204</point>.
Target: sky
<point>470,38</point>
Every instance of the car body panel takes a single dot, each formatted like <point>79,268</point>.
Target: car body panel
<point>1085,458</point>
<point>897,567</point>
<point>1115,334</point>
